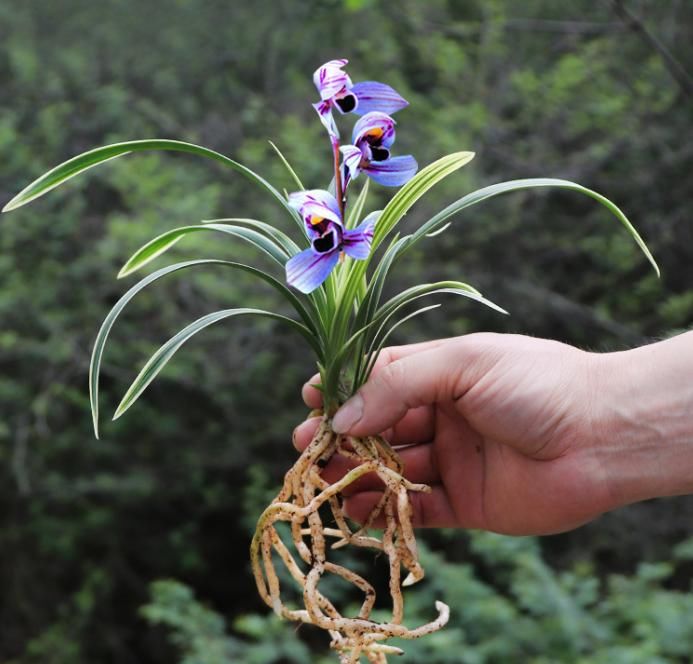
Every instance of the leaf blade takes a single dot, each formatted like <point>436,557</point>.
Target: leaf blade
<point>161,357</point>
<point>109,321</point>
<point>279,236</point>
<point>434,225</point>
<point>162,243</point>
<point>413,190</point>
<point>87,160</point>
<point>288,166</point>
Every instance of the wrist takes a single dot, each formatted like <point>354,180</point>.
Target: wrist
<point>642,420</point>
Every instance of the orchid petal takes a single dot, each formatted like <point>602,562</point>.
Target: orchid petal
<point>352,157</point>
<point>374,96</point>
<point>377,128</point>
<point>330,79</point>
<point>324,111</point>
<point>307,270</point>
<point>316,202</point>
<point>393,172</point>
<point>357,243</point>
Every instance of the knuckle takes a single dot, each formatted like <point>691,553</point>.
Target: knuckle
<point>391,378</point>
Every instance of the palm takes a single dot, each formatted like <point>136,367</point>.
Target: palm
<point>491,485</point>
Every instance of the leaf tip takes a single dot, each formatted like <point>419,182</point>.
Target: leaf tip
<point>656,268</point>
<point>9,206</point>
<point>466,155</point>
<point>495,307</point>
<point>95,422</point>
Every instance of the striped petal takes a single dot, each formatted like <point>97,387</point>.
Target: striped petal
<point>374,96</point>
<point>393,172</point>
<point>357,243</point>
<point>351,160</point>
<point>316,203</point>
<point>307,270</point>
<point>330,80</point>
<point>324,111</point>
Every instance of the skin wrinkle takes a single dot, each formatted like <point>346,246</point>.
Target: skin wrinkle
<point>482,362</point>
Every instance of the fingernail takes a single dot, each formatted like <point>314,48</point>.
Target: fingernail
<point>304,432</point>
<point>348,415</point>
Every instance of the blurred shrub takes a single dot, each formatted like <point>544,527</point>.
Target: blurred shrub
<point>507,605</point>
<point>199,633</point>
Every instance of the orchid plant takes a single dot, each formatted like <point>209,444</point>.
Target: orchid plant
<point>334,268</point>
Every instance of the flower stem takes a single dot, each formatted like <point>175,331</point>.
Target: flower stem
<point>338,178</point>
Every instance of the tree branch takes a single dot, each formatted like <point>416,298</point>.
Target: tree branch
<point>678,73</point>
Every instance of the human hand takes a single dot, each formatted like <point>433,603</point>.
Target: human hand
<point>514,434</point>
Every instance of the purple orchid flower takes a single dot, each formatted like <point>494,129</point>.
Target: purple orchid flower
<point>328,239</point>
<point>372,138</point>
<point>336,90</point>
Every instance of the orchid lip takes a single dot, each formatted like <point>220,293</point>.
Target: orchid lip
<point>379,154</point>
<point>326,243</point>
<point>347,103</point>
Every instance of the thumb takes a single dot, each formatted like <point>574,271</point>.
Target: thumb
<point>419,379</point>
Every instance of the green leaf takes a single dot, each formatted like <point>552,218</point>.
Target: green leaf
<point>107,325</point>
<point>380,343</point>
<point>290,247</point>
<point>159,360</point>
<point>165,241</point>
<point>280,237</point>
<point>415,189</point>
<point>415,292</point>
<point>87,160</point>
<point>391,215</point>
<point>356,210</point>
<point>436,223</point>
<point>392,306</point>
<point>287,165</point>
<point>377,282</point>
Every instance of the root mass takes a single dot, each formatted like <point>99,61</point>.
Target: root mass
<point>298,503</point>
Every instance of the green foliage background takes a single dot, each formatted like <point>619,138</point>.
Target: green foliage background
<point>537,88</point>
